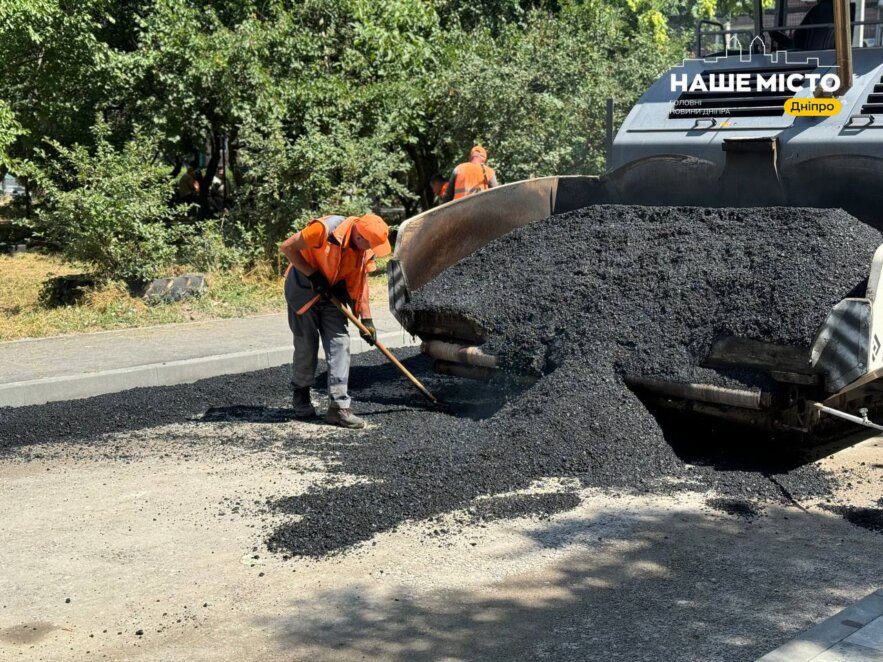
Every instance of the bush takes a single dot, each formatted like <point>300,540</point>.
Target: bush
<point>206,250</point>
<point>110,207</point>
<point>222,245</point>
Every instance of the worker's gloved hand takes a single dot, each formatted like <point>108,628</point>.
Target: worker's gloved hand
<point>339,292</point>
<point>371,336</point>
<point>320,284</point>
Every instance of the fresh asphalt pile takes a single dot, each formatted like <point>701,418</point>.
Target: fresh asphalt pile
<point>582,300</point>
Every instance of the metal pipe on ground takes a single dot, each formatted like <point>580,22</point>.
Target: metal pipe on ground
<point>482,374</point>
<point>457,353</point>
<point>463,370</point>
<point>704,393</point>
<point>763,419</point>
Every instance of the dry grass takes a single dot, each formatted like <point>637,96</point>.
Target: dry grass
<point>22,276</point>
<point>230,294</point>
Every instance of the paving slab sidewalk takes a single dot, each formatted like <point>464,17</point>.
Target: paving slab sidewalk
<point>35,371</point>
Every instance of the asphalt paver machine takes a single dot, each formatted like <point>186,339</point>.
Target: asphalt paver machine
<point>711,139</point>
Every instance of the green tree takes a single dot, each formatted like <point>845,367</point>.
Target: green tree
<point>327,105</point>
<point>678,18</point>
<point>54,71</point>
<point>197,80</point>
<point>536,95</point>
<point>10,130</point>
<point>349,75</point>
<point>385,95</point>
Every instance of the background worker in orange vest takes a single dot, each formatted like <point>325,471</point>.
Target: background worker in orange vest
<point>332,256</point>
<point>471,177</point>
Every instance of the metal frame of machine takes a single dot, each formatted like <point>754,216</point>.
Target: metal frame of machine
<point>741,149</point>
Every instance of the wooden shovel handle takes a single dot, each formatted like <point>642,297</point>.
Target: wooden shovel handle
<point>379,345</point>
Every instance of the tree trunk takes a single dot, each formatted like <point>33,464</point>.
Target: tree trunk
<point>210,169</point>
<point>27,184</point>
<point>424,164</point>
<point>233,158</point>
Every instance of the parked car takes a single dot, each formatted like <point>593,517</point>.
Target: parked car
<point>9,186</point>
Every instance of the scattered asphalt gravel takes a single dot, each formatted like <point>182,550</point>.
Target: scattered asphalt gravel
<point>870,518</point>
<point>579,300</point>
<point>87,420</point>
<point>734,507</point>
<point>867,518</point>
<point>517,505</point>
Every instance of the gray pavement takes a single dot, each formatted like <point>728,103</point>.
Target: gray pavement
<point>35,371</point>
<point>854,634</point>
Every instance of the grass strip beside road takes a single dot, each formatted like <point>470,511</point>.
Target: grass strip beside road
<point>236,293</point>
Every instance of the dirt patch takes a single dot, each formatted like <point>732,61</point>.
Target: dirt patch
<point>26,633</point>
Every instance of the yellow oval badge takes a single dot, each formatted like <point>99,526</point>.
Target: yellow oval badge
<point>812,107</point>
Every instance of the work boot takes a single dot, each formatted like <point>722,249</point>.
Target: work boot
<point>301,403</point>
<point>345,418</point>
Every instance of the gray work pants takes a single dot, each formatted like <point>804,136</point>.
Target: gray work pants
<point>322,321</point>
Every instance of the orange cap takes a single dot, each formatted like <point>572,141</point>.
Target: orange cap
<point>375,231</point>
<point>478,149</point>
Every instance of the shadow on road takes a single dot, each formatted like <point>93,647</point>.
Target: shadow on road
<point>661,586</point>
<point>728,446</point>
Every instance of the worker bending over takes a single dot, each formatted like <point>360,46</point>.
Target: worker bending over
<point>331,256</point>
<point>471,177</point>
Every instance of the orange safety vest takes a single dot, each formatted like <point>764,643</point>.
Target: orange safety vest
<point>339,261</point>
<point>471,178</point>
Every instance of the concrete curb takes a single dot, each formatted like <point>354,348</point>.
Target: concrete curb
<point>846,636</point>
<point>73,387</point>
